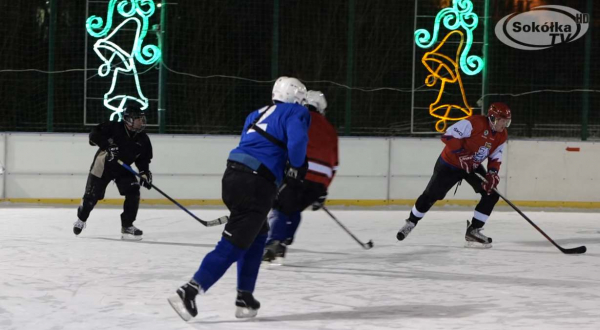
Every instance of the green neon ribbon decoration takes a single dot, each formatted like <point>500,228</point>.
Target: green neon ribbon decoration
<point>146,55</point>
<point>95,23</point>
<point>460,15</point>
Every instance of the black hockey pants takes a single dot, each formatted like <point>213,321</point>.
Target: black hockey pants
<point>445,176</point>
<point>249,197</point>
<point>96,187</point>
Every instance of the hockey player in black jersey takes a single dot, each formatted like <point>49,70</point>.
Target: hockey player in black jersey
<point>125,141</point>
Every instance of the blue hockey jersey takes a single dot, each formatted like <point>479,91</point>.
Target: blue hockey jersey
<point>286,122</point>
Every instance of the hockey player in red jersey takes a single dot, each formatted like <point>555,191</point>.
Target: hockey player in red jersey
<point>322,154</point>
<point>468,143</point>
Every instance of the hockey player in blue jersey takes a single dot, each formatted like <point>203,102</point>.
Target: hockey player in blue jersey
<point>272,136</point>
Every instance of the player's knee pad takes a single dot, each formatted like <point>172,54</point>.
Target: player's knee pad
<point>259,244</point>
<point>227,251</point>
<point>133,194</point>
<point>94,195</point>
<point>89,201</point>
<point>130,191</point>
<point>491,199</point>
<point>429,198</point>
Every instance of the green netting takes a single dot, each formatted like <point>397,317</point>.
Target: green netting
<point>223,56</point>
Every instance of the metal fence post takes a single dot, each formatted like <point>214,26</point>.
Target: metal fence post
<point>486,54</point>
<point>349,67</point>
<point>51,50</point>
<point>585,109</point>
<point>275,47</point>
<point>162,71</point>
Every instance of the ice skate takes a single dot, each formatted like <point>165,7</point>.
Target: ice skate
<point>246,305</point>
<point>404,231</point>
<point>78,227</point>
<point>274,253</point>
<point>131,233</point>
<point>475,239</point>
<point>184,303</point>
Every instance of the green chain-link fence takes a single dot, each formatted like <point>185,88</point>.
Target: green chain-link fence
<point>222,56</point>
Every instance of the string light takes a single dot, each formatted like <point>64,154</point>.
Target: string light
<point>146,55</point>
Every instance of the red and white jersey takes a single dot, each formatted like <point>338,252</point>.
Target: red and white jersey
<point>322,150</point>
<point>474,136</point>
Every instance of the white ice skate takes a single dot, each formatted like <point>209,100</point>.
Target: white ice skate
<point>184,302</point>
<point>78,227</point>
<point>475,239</point>
<point>131,234</point>
<point>405,230</point>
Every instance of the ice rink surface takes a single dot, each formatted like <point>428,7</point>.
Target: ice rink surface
<point>50,279</point>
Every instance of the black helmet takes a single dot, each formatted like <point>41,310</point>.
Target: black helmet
<point>130,114</point>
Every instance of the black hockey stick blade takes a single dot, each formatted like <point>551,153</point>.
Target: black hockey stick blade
<point>577,250</point>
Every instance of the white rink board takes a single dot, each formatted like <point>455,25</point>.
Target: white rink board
<point>549,171</point>
<point>2,163</point>
<point>43,165</point>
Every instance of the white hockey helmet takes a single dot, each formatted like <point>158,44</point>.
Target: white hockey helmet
<point>289,90</point>
<point>317,100</point>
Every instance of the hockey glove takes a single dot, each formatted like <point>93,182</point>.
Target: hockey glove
<point>146,179</point>
<point>113,152</point>
<point>468,163</point>
<point>318,204</point>
<point>295,175</point>
<point>491,181</point>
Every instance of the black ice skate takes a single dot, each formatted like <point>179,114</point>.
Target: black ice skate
<point>274,253</point>
<point>246,305</point>
<point>184,303</point>
<point>131,233</point>
<point>404,231</point>
<point>475,239</point>
<point>78,227</point>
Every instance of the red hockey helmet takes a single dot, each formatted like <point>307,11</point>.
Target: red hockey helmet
<point>500,116</point>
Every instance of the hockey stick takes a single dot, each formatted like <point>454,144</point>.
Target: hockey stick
<point>577,250</point>
<point>210,223</point>
<point>365,246</point>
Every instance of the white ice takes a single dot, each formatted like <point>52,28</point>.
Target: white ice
<point>50,279</point>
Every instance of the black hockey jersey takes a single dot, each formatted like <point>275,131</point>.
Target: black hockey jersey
<point>133,147</point>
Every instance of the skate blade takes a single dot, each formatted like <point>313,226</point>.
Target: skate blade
<point>273,263</point>
<point>127,237</point>
<point>477,245</point>
<point>177,304</point>
<point>245,313</point>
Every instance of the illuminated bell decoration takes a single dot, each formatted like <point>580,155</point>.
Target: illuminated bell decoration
<point>122,64</point>
<point>447,70</point>
<point>118,59</point>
